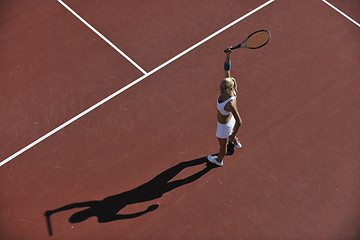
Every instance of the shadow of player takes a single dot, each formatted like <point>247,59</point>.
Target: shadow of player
<point>107,210</point>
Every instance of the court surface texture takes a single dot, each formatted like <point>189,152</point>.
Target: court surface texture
<point>108,111</point>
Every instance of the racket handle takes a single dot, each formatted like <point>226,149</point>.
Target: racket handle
<point>229,49</point>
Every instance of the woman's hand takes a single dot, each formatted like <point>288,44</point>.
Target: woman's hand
<point>228,50</point>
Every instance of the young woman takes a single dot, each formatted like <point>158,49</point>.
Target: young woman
<point>228,117</point>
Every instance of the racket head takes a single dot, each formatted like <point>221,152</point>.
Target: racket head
<point>257,39</point>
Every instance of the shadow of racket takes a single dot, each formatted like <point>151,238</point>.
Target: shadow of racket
<point>48,222</point>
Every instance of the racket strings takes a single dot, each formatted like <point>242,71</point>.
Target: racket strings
<point>258,39</point>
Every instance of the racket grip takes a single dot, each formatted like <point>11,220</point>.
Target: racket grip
<point>228,50</point>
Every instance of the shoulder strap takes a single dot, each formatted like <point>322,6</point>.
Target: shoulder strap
<point>228,100</point>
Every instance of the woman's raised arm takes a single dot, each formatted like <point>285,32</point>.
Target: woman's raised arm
<point>227,64</point>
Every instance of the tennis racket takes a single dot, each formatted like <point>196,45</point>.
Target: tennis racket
<point>255,40</point>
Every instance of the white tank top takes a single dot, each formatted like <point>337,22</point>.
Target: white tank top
<point>220,106</point>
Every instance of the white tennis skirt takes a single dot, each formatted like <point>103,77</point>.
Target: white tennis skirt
<point>225,130</point>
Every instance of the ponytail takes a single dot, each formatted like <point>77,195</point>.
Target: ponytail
<point>235,84</point>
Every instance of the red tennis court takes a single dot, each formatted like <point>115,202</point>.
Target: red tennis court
<point>111,108</point>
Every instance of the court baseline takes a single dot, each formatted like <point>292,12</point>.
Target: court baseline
<point>342,13</point>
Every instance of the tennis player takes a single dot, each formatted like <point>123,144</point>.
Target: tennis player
<point>228,116</point>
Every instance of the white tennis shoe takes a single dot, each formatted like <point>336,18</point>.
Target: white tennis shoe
<point>213,159</point>
<point>238,144</point>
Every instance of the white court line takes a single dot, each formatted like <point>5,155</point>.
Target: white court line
<point>102,36</point>
<point>336,9</point>
<point>130,85</point>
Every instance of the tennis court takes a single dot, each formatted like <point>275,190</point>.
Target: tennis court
<point>113,105</point>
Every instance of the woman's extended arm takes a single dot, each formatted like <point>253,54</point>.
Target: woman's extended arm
<point>227,64</point>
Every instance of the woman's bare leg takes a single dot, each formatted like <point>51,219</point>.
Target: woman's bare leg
<point>223,148</point>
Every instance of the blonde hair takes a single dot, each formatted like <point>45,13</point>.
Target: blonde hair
<point>231,83</point>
